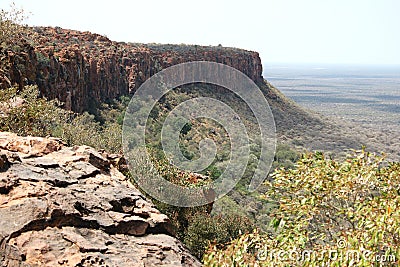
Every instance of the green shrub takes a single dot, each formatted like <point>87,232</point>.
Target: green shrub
<point>326,206</point>
<point>25,113</point>
<point>186,128</point>
<point>83,129</point>
<point>43,61</point>
<point>213,172</point>
<point>11,28</point>
<point>285,157</point>
<point>205,230</point>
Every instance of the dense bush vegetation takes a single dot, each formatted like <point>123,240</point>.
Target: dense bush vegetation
<point>11,28</point>
<point>319,203</point>
<point>205,229</point>
<point>25,113</point>
<point>350,209</point>
<point>285,157</point>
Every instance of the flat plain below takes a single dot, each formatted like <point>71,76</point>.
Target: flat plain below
<point>362,98</point>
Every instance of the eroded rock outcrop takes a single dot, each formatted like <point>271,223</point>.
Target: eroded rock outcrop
<point>69,206</point>
<point>80,68</point>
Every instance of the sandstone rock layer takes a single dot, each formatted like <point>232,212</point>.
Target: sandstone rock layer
<point>69,206</point>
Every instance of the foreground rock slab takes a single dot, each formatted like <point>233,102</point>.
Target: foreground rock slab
<point>69,206</point>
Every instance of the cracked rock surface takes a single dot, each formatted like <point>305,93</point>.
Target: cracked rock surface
<point>69,206</point>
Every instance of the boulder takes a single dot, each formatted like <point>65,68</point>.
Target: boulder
<point>70,206</point>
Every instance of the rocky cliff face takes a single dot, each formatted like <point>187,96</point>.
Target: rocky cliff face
<point>69,206</point>
<point>80,68</point>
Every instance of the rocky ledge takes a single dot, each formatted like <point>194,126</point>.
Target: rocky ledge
<point>70,206</point>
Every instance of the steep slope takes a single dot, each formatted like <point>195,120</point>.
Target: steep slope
<point>304,128</point>
<point>82,69</point>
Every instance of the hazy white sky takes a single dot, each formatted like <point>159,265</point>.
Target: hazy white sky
<point>298,31</point>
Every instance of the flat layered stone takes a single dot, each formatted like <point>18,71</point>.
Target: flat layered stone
<point>63,206</point>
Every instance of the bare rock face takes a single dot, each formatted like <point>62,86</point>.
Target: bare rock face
<point>69,206</point>
<point>81,68</point>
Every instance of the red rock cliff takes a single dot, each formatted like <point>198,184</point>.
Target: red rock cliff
<point>81,68</point>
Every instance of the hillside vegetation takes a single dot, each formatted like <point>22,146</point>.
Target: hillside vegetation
<point>310,201</point>
<point>328,213</point>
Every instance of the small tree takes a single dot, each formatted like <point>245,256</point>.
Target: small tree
<point>11,27</point>
<point>25,113</point>
<point>350,208</point>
